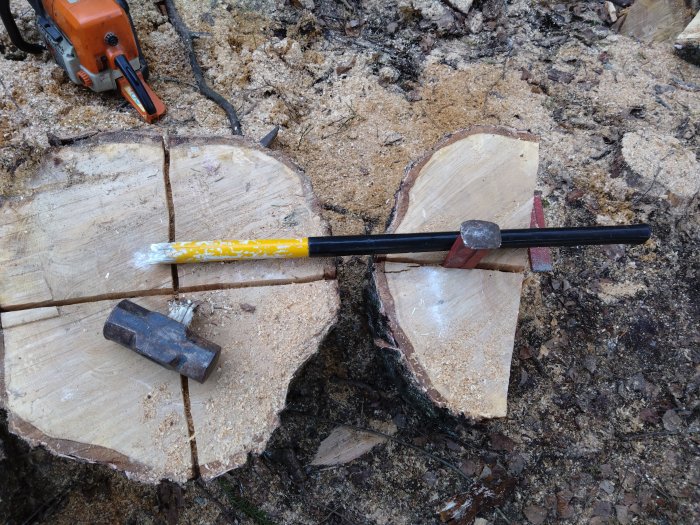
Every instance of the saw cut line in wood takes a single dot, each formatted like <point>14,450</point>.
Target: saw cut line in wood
<point>68,388</point>
<point>447,333</point>
<point>77,224</point>
<point>266,333</point>
<point>480,174</point>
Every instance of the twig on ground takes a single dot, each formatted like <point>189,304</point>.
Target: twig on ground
<point>503,516</point>
<point>47,508</point>
<point>186,37</point>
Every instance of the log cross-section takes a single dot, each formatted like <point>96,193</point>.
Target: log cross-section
<point>68,239</point>
<point>448,333</point>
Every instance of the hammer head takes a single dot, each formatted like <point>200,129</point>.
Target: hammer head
<point>162,340</point>
<point>480,235</point>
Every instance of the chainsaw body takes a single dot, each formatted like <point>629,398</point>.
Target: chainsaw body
<point>94,41</point>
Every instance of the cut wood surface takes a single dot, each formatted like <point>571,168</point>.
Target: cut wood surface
<point>68,242</point>
<point>448,333</point>
<point>474,175</point>
<point>71,232</point>
<point>68,387</point>
<point>655,20</point>
<point>463,317</point>
<point>266,334</point>
<point>245,194</point>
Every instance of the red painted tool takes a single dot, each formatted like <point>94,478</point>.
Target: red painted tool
<point>540,257</point>
<point>95,43</point>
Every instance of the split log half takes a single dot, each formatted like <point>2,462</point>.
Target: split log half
<point>447,334</point>
<point>70,230</point>
<point>69,236</point>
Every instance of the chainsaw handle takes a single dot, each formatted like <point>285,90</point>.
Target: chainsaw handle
<point>13,31</point>
<point>144,65</point>
<point>135,82</point>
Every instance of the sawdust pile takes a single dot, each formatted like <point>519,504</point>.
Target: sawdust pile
<point>361,92</point>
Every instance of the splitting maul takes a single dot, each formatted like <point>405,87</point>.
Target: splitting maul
<point>473,235</point>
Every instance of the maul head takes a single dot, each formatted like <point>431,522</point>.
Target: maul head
<point>480,235</point>
<point>161,339</point>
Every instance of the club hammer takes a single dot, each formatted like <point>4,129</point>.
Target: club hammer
<point>162,339</point>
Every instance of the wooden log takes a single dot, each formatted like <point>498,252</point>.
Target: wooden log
<point>71,231</point>
<point>266,334</point>
<point>68,388</point>
<point>447,334</point>
<point>655,20</point>
<point>244,193</point>
<point>65,386</point>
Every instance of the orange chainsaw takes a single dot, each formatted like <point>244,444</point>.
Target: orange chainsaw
<point>95,42</point>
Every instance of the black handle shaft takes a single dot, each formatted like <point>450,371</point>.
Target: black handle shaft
<point>13,31</point>
<point>443,241</point>
<point>136,84</point>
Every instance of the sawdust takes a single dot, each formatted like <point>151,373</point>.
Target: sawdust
<point>661,159</point>
<point>612,293</point>
<point>263,346</point>
<point>614,91</point>
<point>456,325</point>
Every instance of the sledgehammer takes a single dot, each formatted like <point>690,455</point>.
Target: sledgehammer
<point>163,339</point>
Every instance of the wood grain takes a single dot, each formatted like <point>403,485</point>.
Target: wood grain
<point>231,189</point>
<point>448,334</point>
<point>460,329</point>
<point>68,240</point>
<point>266,333</point>
<point>74,229</point>
<point>66,384</point>
<point>487,176</point>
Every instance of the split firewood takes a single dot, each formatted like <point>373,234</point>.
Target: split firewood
<point>68,237</point>
<point>447,334</point>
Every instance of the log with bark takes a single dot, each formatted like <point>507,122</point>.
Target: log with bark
<point>447,334</point>
<point>68,235</point>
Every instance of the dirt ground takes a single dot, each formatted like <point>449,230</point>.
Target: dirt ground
<point>604,395</point>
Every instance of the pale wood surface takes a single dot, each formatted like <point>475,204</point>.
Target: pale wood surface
<point>481,176</point>
<point>235,191</point>
<point>690,37</point>
<point>655,20</point>
<point>69,236</point>
<point>266,334</point>
<point>73,231</point>
<point>453,330</point>
<point>461,327</point>
<point>72,385</point>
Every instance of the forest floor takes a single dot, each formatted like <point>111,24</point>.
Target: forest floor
<point>604,402</point>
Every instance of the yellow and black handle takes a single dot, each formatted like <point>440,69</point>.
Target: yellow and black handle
<point>332,246</point>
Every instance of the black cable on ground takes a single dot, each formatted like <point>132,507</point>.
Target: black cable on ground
<point>184,34</point>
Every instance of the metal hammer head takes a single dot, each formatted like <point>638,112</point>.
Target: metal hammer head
<point>480,235</point>
<point>162,340</point>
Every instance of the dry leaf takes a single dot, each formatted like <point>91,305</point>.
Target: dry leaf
<point>345,444</point>
<point>484,495</point>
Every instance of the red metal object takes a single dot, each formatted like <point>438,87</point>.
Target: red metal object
<point>460,256</point>
<point>540,258</point>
